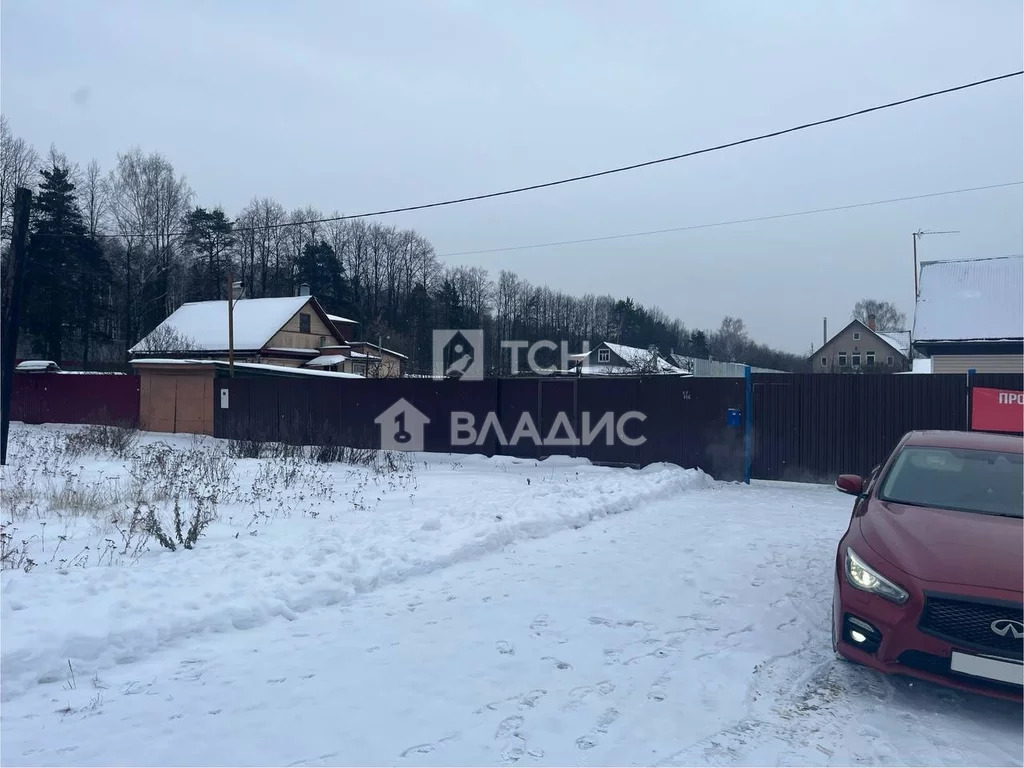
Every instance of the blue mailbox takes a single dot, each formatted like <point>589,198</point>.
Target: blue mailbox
<point>734,417</point>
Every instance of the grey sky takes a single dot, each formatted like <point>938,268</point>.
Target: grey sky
<point>355,106</point>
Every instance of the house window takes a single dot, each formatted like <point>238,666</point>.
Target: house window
<point>842,359</point>
<point>856,335</point>
<point>604,356</point>
<point>304,321</point>
<point>856,359</point>
<point>888,360</point>
<point>323,341</point>
<point>870,358</point>
<point>359,368</point>
<point>824,362</point>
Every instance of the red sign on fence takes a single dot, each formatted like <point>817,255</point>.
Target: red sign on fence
<point>997,410</point>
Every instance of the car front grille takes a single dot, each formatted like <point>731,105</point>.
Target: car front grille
<point>970,623</point>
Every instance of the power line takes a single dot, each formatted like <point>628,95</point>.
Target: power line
<point>610,171</point>
<point>727,223</point>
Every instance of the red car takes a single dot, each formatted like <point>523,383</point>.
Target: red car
<point>929,578</point>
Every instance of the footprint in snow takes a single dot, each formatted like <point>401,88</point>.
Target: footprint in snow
<point>419,749</point>
<point>529,701</point>
<point>505,648</point>
<point>508,727</point>
<point>558,664</point>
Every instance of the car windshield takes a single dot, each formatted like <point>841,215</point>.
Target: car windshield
<point>969,480</point>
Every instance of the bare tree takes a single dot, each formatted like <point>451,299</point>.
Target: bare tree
<point>166,338</point>
<point>887,317</point>
<point>147,202</point>
<point>730,341</point>
<point>18,161</point>
<point>92,198</point>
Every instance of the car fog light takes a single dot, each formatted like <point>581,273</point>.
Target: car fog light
<point>861,634</point>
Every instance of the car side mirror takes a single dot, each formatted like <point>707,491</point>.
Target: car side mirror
<point>851,484</point>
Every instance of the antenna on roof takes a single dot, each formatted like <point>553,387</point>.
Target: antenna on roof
<point>921,233</point>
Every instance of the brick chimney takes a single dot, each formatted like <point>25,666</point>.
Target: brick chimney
<point>871,322</point>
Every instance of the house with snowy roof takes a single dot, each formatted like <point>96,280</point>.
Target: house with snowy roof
<point>970,314</point>
<point>609,359</point>
<point>861,348</point>
<point>288,331</point>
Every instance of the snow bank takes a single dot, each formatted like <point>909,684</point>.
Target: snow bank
<point>365,533</point>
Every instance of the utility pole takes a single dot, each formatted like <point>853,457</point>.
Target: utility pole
<point>12,311</point>
<point>918,234</point>
<point>231,321</point>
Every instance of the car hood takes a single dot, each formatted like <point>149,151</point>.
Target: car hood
<point>947,546</point>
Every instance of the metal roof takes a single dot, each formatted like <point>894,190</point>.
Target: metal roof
<point>971,300</point>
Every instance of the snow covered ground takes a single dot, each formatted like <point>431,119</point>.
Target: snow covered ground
<point>454,611</point>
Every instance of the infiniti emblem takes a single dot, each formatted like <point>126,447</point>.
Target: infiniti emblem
<point>1003,627</point>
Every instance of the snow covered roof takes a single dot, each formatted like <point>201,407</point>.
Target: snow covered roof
<point>374,346</point>
<point>635,358</point>
<point>204,324</point>
<point>336,319</point>
<point>326,360</point>
<point>970,300</point>
<point>282,369</point>
<point>293,350</point>
<point>37,366</point>
<point>898,339</point>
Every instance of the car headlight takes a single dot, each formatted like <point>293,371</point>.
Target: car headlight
<point>861,576</point>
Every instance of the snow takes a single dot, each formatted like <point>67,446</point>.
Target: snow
<point>471,612</point>
<point>283,370</point>
<point>970,300</point>
<point>634,359</point>
<point>899,340</point>
<point>326,360</point>
<point>36,366</point>
<point>336,319</point>
<point>297,371</point>
<point>205,323</point>
<point>171,361</point>
<point>298,350</point>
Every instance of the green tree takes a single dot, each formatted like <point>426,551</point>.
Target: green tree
<point>208,235</point>
<point>65,267</point>
<point>318,266</point>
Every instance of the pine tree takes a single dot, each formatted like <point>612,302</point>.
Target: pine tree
<point>64,266</point>
<point>208,235</point>
<point>319,267</point>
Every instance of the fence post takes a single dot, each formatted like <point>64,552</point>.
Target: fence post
<point>970,383</point>
<point>749,422</point>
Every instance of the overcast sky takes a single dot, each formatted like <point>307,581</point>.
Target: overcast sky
<point>356,106</point>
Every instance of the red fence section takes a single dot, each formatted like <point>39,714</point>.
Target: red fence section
<point>64,398</point>
<point>997,410</point>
